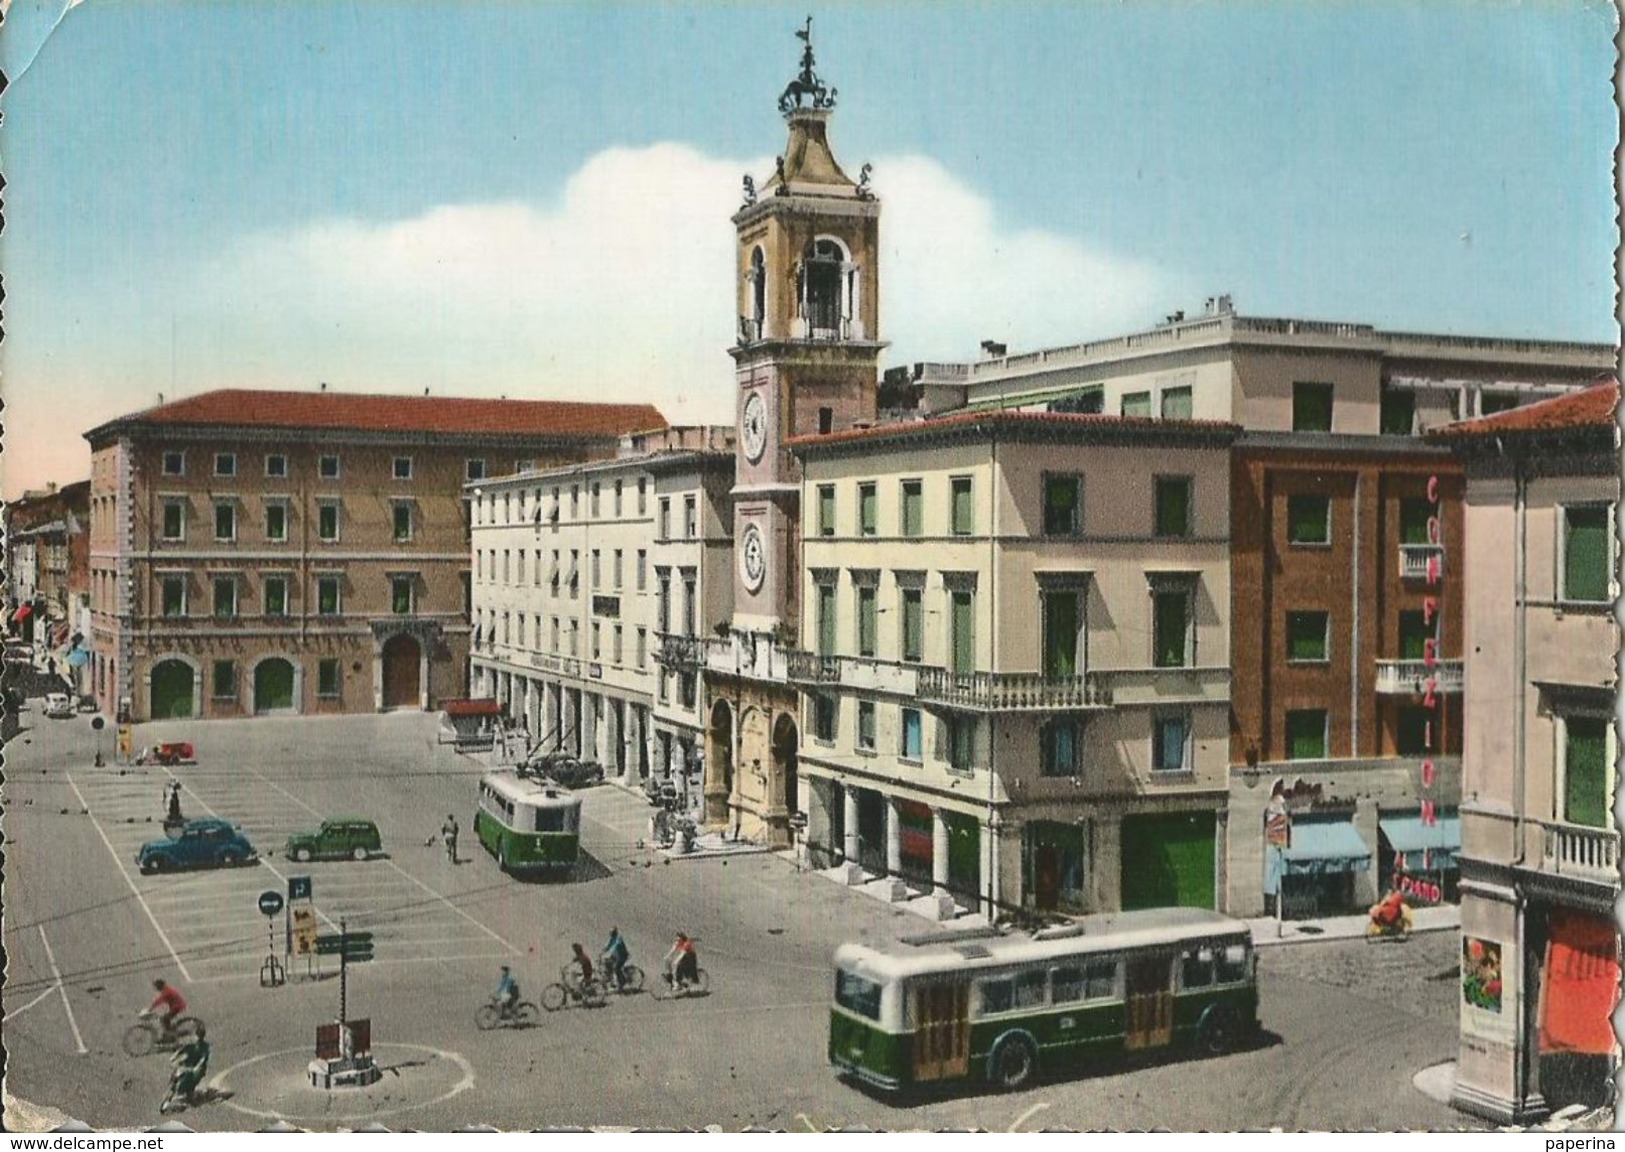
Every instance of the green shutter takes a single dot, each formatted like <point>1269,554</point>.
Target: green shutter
<point>866,510</point>
<point>1306,635</point>
<point>826,619</point>
<point>964,636</point>
<point>913,624</point>
<point>1585,772</point>
<point>1137,404</point>
<point>1585,554</point>
<point>911,509</point>
<point>826,511</point>
<point>1306,735</point>
<point>964,517</point>
<point>1168,861</point>
<point>866,621</point>
<point>1060,611</point>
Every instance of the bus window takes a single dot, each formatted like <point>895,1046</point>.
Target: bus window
<point>550,819</point>
<point>1197,971</point>
<point>1233,964</point>
<point>856,994</point>
<point>997,995</point>
<point>1100,980</point>
<point>1066,984</point>
<point>1030,989</point>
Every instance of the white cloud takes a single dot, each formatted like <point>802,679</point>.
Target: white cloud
<point>623,289</point>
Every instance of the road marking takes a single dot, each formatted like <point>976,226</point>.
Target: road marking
<point>162,935</point>
<point>1016,1124</point>
<point>302,1055</point>
<point>26,1007</point>
<point>802,1116</point>
<point>454,908</point>
<point>78,1040</point>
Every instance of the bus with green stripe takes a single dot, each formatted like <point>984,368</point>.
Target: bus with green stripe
<point>532,827</point>
<point>1001,1006</point>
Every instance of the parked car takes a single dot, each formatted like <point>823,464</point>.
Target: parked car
<point>170,753</point>
<point>59,706</point>
<point>199,844</point>
<point>337,838</point>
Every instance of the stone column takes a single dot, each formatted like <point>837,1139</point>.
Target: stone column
<point>854,870</point>
<point>631,742</point>
<point>944,903</point>
<point>897,890</point>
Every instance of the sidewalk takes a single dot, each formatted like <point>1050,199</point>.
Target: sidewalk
<point>1268,932</point>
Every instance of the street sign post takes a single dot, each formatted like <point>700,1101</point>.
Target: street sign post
<point>298,887</point>
<point>270,902</point>
<point>272,972</point>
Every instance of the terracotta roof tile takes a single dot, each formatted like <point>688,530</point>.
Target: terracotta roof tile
<point>353,411</point>
<point>1591,407</point>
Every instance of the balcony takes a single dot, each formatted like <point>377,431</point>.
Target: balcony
<point>1410,677</point>
<point>812,668</point>
<point>858,673</point>
<point>1013,691</point>
<point>752,655</point>
<point>1199,684</point>
<point>684,653</point>
<point>1414,558</point>
<point>1579,851</point>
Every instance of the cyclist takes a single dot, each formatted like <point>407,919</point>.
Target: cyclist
<point>171,1002</point>
<point>507,993</point>
<point>682,963</point>
<point>581,966</point>
<point>191,1064</point>
<point>616,957</point>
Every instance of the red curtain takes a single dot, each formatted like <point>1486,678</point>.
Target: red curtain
<point>1581,985</point>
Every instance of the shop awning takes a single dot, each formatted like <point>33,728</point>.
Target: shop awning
<point>1582,981</point>
<point>1322,847</point>
<point>1420,847</point>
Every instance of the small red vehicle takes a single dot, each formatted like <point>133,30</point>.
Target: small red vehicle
<point>168,754</point>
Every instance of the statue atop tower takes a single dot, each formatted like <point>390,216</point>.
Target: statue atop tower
<point>807,85</point>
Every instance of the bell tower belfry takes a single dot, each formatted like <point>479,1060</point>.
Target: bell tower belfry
<point>807,355</point>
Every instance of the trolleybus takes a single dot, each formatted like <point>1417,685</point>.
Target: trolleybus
<point>530,826</point>
<point>1000,1006</point>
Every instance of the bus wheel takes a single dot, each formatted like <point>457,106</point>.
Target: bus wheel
<point>1014,1062</point>
<point>1218,1032</point>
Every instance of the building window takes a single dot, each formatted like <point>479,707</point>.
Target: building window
<point>618,487</point>
<point>868,619</point>
<point>519,566</point>
<point>1063,505</point>
<point>826,509</point>
<point>575,501</point>
<point>474,469</point>
<point>643,647</point>
<point>1489,403</point>
<point>615,569</point>
<point>615,644</point>
<point>327,467</point>
<point>276,522</point>
<point>1172,515</point>
<point>327,677</point>
<point>826,619</point>
<point>691,517</point>
<point>913,625</point>
<point>174,595</point>
<point>824,714</point>
<point>1059,753</point>
<point>174,520</point>
<point>964,512</point>
<point>687,690</point>
<point>1586,771</point>
<point>225,595</point>
<point>643,570</point>
<point>597,569</point>
<point>866,725</point>
<point>276,595</point>
<point>224,680</point>
<point>597,640</point>
<point>276,465</point>
<point>910,743</point>
<point>553,636</point>
<point>1414,634</point>
<point>962,743</point>
<point>327,596</point>
<point>593,504</point>
<point>1398,416</point>
<point>1176,403</point>
<point>327,521</point>
<point>400,595</point>
<point>643,496</point>
<point>402,469</point>
<point>962,632</point>
<point>868,510</point>
<point>1306,734</point>
<point>1170,742</point>
<point>1311,407</point>
<point>1137,404</point>
<point>1414,514</point>
<point>913,508</point>
<point>826,421</point>
<point>575,572</point>
<point>691,605</point>
<point>1587,564</point>
<point>1413,731</point>
<point>225,521</point>
<point>662,602</point>
<point>174,463</point>
<point>1306,637</point>
<point>664,531</point>
<point>1309,519</point>
<point>1171,627</point>
<point>225,463</point>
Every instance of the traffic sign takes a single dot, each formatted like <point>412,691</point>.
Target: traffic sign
<point>304,931</point>
<point>353,946</point>
<point>270,902</point>
<point>97,723</point>
<point>298,887</point>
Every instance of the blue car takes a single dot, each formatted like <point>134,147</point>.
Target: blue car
<point>201,844</point>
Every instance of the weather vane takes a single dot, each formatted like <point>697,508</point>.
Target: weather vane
<point>807,84</point>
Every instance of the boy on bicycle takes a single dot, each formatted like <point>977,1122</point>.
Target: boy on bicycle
<point>616,956</point>
<point>191,1065</point>
<point>682,962</point>
<point>171,1002</point>
<point>507,993</point>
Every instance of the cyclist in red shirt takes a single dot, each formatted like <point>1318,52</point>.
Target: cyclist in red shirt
<point>172,1003</point>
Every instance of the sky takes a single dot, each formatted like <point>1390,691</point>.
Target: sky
<point>533,199</point>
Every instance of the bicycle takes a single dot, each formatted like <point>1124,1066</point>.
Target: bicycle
<point>147,1034</point>
<point>570,987</point>
<point>670,989</point>
<point>631,980</point>
<point>522,1014</point>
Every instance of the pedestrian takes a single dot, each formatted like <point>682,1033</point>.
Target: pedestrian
<point>448,832</point>
<point>174,816</point>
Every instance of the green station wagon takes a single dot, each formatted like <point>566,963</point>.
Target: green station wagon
<point>337,838</point>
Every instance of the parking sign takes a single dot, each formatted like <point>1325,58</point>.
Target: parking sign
<point>298,887</point>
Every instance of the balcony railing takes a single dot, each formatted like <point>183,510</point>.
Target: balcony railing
<point>812,667</point>
<point>674,651</point>
<point>1413,560</point>
<point>1410,677</point>
<point>1576,850</point>
<point>1012,691</point>
<point>857,673</point>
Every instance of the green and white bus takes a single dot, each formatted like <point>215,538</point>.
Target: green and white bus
<point>530,826</point>
<point>987,1004</point>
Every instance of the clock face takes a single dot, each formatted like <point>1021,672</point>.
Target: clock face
<point>755,428</point>
<point>753,558</point>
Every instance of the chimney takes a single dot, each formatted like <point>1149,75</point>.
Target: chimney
<point>324,385</point>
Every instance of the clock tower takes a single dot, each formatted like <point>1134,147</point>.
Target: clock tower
<point>807,355</point>
<point>805,361</point>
